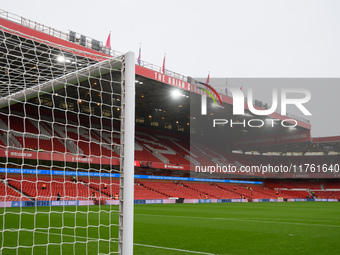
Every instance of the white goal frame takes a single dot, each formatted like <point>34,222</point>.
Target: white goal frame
<point>126,199</point>
<point>127,67</point>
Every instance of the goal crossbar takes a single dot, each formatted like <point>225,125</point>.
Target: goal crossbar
<point>75,76</point>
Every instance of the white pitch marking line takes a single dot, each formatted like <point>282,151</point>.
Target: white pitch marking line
<point>245,220</point>
<point>138,244</point>
<point>337,221</point>
<point>173,249</point>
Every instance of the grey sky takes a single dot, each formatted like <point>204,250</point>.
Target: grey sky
<point>243,38</point>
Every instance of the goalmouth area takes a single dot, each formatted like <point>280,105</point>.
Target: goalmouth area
<point>228,228</point>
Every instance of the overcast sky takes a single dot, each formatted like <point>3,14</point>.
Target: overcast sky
<point>241,38</point>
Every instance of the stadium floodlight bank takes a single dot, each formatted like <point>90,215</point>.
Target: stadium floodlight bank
<point>73,111</point>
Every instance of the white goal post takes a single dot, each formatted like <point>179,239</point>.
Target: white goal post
<point>127,159</point>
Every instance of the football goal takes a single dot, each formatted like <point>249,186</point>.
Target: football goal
<point>66,148</point>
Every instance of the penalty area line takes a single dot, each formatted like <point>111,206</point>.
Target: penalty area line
<point>173,249</point>
<point>137,244</point>
<point>244,220</point>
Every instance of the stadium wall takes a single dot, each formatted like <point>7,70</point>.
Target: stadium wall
<point>150,201</point>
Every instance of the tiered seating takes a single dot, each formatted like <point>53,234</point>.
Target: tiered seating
<point>112,186</point>
<point>145,155</point>
<point>249,192</point>
<point>255,191</point>
<point>154,144</point>
<point>198,153</point>
<point>83,189</point>
<point>176,159</point>
<point>182,191</point>
<point>174,144</point>
<point>68,190</point>
<point>296,193</point>
<point>9,194</point>
<point>213,191</point>
<point>334,185</point>
<point>145,193</point>
<point>194,190</point>
<point>266,193</point>
<point>295,184</point>
<point>285,188</point>
<point>327,194</point>
<point>203,160</point>
<point>78,191</point>
<point>88,142</point>
<point>47,135</point>
<point>33,138</point>
<point>163,188</point>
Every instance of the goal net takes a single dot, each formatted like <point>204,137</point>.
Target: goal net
<point>66,149</point>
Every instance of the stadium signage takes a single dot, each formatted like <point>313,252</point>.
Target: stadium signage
<point>172,81</point>
<point>84,159</point>
<point>173,166</point>
<point>255,123</point>
<point>239,99</point>
<point>239,105</point>
<point>18,154</point>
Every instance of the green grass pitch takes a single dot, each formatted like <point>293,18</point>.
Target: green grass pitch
<point>229,228</point>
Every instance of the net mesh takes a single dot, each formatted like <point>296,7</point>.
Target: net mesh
<point>60,136</point>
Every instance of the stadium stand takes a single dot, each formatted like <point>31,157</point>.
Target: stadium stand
<point>9,194</point>
<point>45,189</point>
<point>154,146</point>
<point>144,192</point>
<point>151,146</point>
<point>31,188</point>
<point>327,194</point>
<point>213,191</point>
<point>34,139</point>
<point>172,189</point>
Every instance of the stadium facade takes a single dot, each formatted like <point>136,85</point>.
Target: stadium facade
<point>172,139</point>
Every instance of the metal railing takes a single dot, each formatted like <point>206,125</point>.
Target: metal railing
<point>33,25</point>
<point>166,71</point>
<point>82,40</point>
